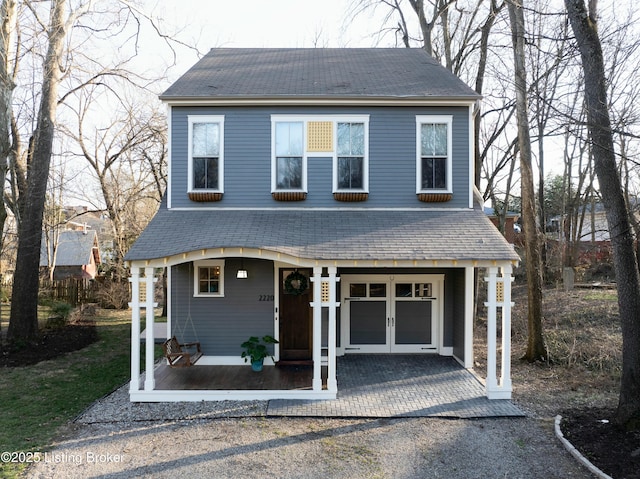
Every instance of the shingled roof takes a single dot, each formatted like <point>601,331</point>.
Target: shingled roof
<point>328,234</point>
<point>318,73</point>
<point>75,248</point>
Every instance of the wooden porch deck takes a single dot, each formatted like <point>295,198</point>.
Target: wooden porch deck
<point>222,378</point>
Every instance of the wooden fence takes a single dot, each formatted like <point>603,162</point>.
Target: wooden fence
<point>106,293</point>
<point>70,290</point>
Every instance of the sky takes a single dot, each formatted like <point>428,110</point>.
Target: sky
<point>266,23</point>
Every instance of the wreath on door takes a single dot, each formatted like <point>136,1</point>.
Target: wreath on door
<point>296,283</point>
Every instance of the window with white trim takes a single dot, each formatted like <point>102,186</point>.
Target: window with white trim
<point>209,278</point>
<point>434,156</point>
<point>289,156</point>
<point>206,138</point>
<point>350,170</point>
<point>343,138</point>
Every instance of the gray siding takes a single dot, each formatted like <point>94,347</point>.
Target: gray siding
<point>222,324</point>
<point>392,157</point>
<point>457,283</point>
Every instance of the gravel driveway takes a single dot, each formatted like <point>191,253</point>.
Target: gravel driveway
<point>115,439</point>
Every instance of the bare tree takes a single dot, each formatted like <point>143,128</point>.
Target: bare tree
<point>622,58</point>
<point>8,15</point>
<point>454,32</point>
<point>536,349</point>
<point>125,151</point>
<point>52,225</point>
<point>548,66</point>
<point>54,218</point>
<point>69,64</point>
<point>485,30</point>
<point>584,22</point>
<point>24,310</point>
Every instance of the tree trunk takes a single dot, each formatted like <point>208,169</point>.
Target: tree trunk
<point>536,349</point>
<point>485,29</point>
<point>584,24</point>
<point>23,325</point>
<point>425,26</point>
<point>8,15</point>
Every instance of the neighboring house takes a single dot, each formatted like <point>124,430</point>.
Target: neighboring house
<point>325,197</point>
<point>594,228</point>
<point>77,255</point>
<point>511,227</point>
<point>80,218</point>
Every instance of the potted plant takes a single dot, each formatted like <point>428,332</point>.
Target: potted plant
<point>255,349</point>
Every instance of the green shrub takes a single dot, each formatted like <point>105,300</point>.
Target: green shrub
<point>61,308</point>
<point>59,312</point>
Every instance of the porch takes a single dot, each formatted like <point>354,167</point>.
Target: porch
<point>368,386</point>
<point>324,383</point>
<point>229,378</point>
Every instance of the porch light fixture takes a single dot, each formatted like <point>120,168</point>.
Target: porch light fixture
<point>242,273</point>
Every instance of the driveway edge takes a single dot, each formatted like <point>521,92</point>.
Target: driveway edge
<point>575,453</point>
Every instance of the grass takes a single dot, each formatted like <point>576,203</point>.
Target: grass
<point>44,311</point>
<point>605,296</point>
<point>37,401</point>
<point>581,329</point>
<point>5,314</point>
<point>588,335</point>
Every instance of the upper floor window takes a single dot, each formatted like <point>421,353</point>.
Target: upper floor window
<point>206,134</point>
<point>351,168</point>
<point>434,153</point>
<point>209,278</point>
<point>289,156</point>
<point>341,138</point>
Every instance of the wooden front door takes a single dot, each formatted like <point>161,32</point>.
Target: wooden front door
<point>296,317</point>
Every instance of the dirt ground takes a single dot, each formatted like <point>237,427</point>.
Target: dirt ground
<point>51,344</point>
<point>581,379</point>
<point>579,382</point>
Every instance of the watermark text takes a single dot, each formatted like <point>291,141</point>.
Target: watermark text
<point>88,457</point>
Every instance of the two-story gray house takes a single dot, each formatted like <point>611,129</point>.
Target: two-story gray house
<point>324,197</point>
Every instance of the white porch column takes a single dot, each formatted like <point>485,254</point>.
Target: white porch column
<point>499,297</point>
<point>505,370</point>
<point>332,382</point>
<point>134,385</point>
<point>317,328</point>
<point>491,304</point>
<point>150,381</point>
<point>169,303</point>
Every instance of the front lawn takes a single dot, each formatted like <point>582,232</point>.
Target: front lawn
<point>37,401</point>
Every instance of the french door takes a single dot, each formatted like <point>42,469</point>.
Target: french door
<point>391,314</point>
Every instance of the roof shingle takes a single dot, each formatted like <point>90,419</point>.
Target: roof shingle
<point>396,73</point>
<point>75,248</point>
<point>328,234</point>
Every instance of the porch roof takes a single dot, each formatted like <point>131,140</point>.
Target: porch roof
<point>327,235</point>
